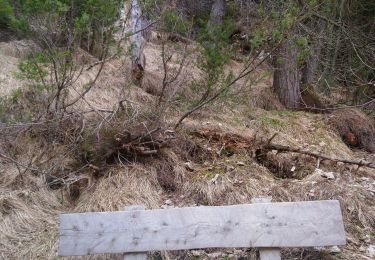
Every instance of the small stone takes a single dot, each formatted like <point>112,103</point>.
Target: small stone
<point>371,250</point>
<point>334,250</point>
<point>366,238</point>
<point>168,131</point>
<point>215,255</point>
<point>196,252</point>
<point>328,175</point>
<point>340,164</point>
<point>168,202</point>
<point>214,179</point>
<point>322,144</point>
<point>239,163</point>
<point>189,166</point>
<point>230,168</point>
<point>293,169</point>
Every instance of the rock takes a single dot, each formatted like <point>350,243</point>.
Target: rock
<point>230,168</point>
<point>168,202</point>
<point>214,179</point>
<point>239,163</point>
<point>334,250</point>
<point>366,238</point>
<point>362,249</point>
<point>196,252</point>
<point>189,166</point>
<point>340,164</point>
<point>293,169</point>
<point>371,250</point>
<point>322,144</point>
<point>215,255</point>
<point>328,175</point>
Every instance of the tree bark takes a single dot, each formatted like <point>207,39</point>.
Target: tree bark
<point>138,58</point>
<point>286,82</point>
<point>217,15</point>
<point>310,69</point>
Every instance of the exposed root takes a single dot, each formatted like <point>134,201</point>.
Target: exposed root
<point>355,128</point>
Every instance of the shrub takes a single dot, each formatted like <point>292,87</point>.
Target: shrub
<point>6,13</point>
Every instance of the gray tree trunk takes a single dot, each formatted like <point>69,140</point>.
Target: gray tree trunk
<point>310,69</point>
<point>286,82</point>
<point>217,15</point>
<point>138,42</point>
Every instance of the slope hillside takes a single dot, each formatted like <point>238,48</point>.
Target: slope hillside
<point>211,160</point>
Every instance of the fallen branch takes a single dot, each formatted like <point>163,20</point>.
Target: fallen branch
<point>283,148</point>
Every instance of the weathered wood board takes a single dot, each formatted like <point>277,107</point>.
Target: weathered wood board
<point>287,224</point>
<point>267,253</point>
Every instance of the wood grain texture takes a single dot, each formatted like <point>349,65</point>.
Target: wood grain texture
<point>270,254</point>
<point>267,253</point>
<point>135,256</point>
<point>296,224</point>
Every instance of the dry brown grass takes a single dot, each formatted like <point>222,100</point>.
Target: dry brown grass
<point>29,209</point>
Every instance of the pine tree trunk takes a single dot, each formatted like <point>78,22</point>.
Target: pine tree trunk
<point>310,69</point>
<point>217,15</point>
<point>286,82</point>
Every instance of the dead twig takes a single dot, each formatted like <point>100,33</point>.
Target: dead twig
<point>283,148</point>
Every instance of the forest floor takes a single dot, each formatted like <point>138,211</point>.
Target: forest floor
<point>210,161</point>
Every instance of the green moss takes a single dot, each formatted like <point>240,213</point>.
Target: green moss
<point>210,173</point>
<point>271,122</point>
<point>318,125</point>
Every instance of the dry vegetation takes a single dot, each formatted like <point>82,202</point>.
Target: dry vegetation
<point>124,153</point>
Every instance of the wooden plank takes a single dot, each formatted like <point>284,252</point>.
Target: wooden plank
<point>296,224</point>
<point>135,256</point>
<point>267,253</point>
<point>270,254</point>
